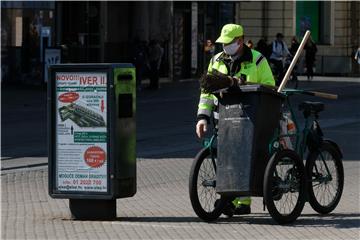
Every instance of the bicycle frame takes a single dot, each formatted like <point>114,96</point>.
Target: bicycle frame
<point>209,143</point>
<point>301,134</point>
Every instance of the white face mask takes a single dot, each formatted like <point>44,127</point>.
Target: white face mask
<point>231,49</point>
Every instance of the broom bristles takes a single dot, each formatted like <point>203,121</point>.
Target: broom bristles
<point>211,82</point>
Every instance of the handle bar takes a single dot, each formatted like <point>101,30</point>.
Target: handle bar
<point>321,94</point>
<point>312,93</point>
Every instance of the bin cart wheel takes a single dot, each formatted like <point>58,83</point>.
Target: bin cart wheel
<point>284,186</point>
<point>325,173</point>
<point>207,204</point>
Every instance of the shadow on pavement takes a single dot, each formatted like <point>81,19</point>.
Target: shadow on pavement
<point>337,220</point>
<point>159,219</point>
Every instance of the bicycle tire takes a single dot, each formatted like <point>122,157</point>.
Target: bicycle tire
<point>313,160</point>
<point>272,191</point>
<point>202,213</point>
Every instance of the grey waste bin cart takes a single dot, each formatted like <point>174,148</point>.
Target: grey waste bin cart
<point>92,136</point>
<point>248,117</point>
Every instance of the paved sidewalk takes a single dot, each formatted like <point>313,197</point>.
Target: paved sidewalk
<point>161,209</point>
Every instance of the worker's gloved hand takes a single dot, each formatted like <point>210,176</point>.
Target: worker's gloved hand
<point>201,128</point>
<point>237,81</point>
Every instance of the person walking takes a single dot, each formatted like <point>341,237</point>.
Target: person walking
<point>262,47</point>
<point>310,52</point>
<point>209,50</point>
<point>293,49</point>
<point>278,54</point>
<point>294,46</point>
<point>250,44</point>
<point>236,60</point>
<point>154,56</point>
<point>357,55</point>
<point>139,60</point>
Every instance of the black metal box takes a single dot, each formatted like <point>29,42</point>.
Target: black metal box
<point>248,117</point>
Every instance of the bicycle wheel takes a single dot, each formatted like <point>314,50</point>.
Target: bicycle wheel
<point>207,204</point>
<point>284,186</point>
<point>325,168</point>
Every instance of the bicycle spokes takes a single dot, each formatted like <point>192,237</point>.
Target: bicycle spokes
<point>206,184</point>
<point>286,186</point>
<point>324,179</point>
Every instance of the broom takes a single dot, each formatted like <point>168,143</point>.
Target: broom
<point>211,82</point>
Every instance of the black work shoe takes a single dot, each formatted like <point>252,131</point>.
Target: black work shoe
<point>229,209</point>
<point>242,209</point>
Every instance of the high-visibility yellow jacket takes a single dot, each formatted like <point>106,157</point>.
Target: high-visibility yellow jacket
<point>251,66</point>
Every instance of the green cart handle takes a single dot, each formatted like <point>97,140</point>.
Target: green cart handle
<point>288,92</point>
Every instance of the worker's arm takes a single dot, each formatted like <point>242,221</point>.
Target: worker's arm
<point>264,73</point>
<point>205,108</point>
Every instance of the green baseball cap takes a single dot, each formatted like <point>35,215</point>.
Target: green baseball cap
<point>229,32</point>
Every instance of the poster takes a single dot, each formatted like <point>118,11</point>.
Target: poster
<point>81,132</point>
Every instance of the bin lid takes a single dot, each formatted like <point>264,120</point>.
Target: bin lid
<point>250,88</point>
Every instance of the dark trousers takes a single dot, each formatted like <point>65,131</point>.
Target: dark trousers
<point>139,74</point>
<point>154,75</point>
<point>309,69</point>
<point>279,70</point>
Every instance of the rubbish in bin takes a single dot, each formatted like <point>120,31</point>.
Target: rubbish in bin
<point>287,127</point>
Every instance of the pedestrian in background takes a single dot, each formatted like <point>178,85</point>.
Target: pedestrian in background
<point>278,54</point>
<point>262,47</point>
<point>357,55</point>
<point>293,49</point>
<point>139,60</point>
<point>209,50</point>
<point>294,46</point>
<point>155,53</point>
<point>310,52</point>
<point>250,44</point>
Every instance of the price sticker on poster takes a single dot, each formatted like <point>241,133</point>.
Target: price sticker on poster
<point>81,132</point>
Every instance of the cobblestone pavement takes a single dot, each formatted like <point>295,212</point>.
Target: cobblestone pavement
<point>161,209</point>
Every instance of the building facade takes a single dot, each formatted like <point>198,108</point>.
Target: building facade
<point>106,31</point>
<point>27,28</point>
<point>334,26</point>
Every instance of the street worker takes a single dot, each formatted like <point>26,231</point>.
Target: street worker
<point>243,64</point>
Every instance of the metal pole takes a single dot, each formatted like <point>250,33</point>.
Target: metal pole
<point>297,55</point>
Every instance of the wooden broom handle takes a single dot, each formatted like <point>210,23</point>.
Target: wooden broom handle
<point>293,62</point>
